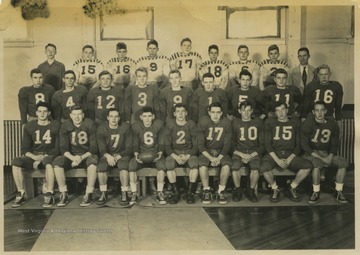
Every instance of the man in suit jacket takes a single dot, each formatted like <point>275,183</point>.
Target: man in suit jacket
<point>297,77</point>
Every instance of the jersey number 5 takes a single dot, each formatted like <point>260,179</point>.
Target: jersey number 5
<point>286,133</point>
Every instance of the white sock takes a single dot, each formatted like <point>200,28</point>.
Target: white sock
<point>89,189</point>
<point>133,187</point>
<point>103,187</point>
<point>124,188</point>
<point>274,186</point>
<point>293,185</point>
<point>339,186</point>
<point>160,186</point>
<point>221,188</point>
<point>316,188</point>
<point>63,189</point>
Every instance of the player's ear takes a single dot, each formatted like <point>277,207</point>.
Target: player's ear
<point>153,117</point>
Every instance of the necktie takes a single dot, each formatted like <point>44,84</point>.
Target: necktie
<point>304,76</point>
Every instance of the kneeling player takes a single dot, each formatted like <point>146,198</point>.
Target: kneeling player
<point>320,141</point>
<point>115,147</point>
<point>181,147</point>
<point>214,145</point>
<point>249,148</point>
<point>147,139</point>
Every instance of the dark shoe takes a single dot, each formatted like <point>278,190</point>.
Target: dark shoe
<point>206,197</point>
<point>236,194</point>
<point>341,199</point>
<point>221,198</point>
<point>275,196</point>
<point>292,194</point>
<point>19,199</point>
<point>160,198</point>
<point>133,199</point>
<point>64,199</point>
<point>124,198</point>
<point>250,194</point>
<point>49,200</point>
<point>87,200</point>
<point>102,199</point>
<point>314,198</point>
<point>190,199</point>
<point>174,198</point>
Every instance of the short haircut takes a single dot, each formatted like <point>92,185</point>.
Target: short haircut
<point>208,75</point>
<point>280,70</point>
<point>87,46</point>
<point>323,66</point>
<point>154,42</point>
<point>121,45</point>
<point>304,49</point>
<point>141,69</point>
<point>187,39</point>
<point>215,104</point>
<point>70,71</point>
<point>213,46</point>
<point>245,72</point>
<point>43,104</point>
<point>320,102</point>
<point>273,47</point>
<point>245,104</point>
<point>147,109</point>
<point>243,46</point>
<point>50,45</point>
<point>180,105</point>
<point>113,110</point>
<point>102,73</point>
<point>76,107</point>
<point>175,71</point>
<point>279,103</point>
<point>35,70</point>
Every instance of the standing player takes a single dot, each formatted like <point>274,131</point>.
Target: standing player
<point>188,63</point>
<point>244,63</point>
<point>101,99</point>
<point>249,147</point>
<point>30,96</point>
<point>147,137</point>
<point>65,98</point>
<point>238,94</point>
<point>40,146</point>
<point>122,68</point>
<point>205,96</point>
<point>115,147</point>
<point>172,95</point>
<point>181,147</point>
<point>320,141</point>
<point>78,148</point>
<point>158,67</point>
<point>268,66</point>
<point>141,95</point>
<point>214,146</point>
<point>291,95</point>
<point>87,68</point>
<point>218,68</point>
<point>282,143</point>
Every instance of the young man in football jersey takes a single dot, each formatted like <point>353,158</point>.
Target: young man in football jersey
<point>158,66</point>
<point>148,137</point>
<point>122,67</point>
<point>205,95</point>
<point>214,145</point>
<point>244,63</point>
<point>291,95</point>
<point>40,145</point>
<point>103,97</point>
<point>249,147</point>
<point>180,138</point>
<point>141,95</point>
<point>188,63</point>
<point>268,66</point>
<point>245,92</point>
<point>172,95</point>
<point>52,70</point>
<point>30,96</point>
<point>71,95</point>
<point>87,68</point>
<point>115,147</point>
<point>218,68</point>
<point>320,141</point>
<point>78,148</point>
<point>282,144</point>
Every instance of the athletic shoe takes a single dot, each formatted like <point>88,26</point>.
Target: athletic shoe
<point>275,196</point>
<point>314,198</point>
<point>124,198</point>
<point>49,200</point>
<point>236,194</point>
<point>250,194</point>
<point>221,198</point>
<point>160,198</point>
<point>190,199</point>
<point>341,199</point>
<point>64,199</point>
<point>174,199</point>
<point>133,199</point>
<point>87,200</point>
<point>102,199</point>
<point>206,197</point>
<point>19,199</point>
<point>292,194</point>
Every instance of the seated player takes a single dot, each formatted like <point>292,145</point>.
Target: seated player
<point>147,138</point>
<point>249,147</point>
<point>30,96</point>
<point>282,144</point>
<point>158,66</point>
<point>174,94</point>
<point>181,147</point>
<point>100,99</point>
<point>65,98</point>
<point>122,67</point>
<point>78,149</point>
<point>40,145</point>
<point>115,148</point>
<point>320,141</point>
<point>238,94</point>
<point>291,95</point>
<point>87,68</point>
<point>214,146</point>
<point>218,68</point>
<point>205,96</point>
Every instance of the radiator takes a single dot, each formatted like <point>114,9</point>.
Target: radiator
<point>12,140</point>
<point>346,149</point>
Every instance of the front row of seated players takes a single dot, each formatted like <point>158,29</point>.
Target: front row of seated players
<point>281,139</point>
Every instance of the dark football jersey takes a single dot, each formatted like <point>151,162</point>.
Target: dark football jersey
<point>148,138</point>
<point>169,97</point>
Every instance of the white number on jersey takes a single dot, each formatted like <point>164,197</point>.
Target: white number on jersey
<point>143,98</point>
<point>325,136</point>
<point>286,133</point>
<point>46,137</point>
<point>81,137</point>
<point>252,133</point>
<point>218,130</point>
<point>177,99</point>
<point>39,97</point>
<point>148,138</point>
<point>110,104</point>
<point>116,139</point>
<point>328,96</point>
<point>70,102</point>
<point>287,98</point>
<point>181,135</point>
